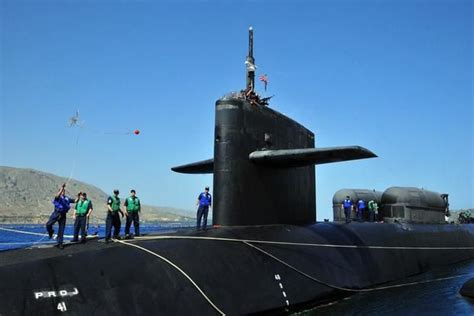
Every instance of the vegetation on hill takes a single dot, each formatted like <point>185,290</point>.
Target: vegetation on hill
<point>27,194</point>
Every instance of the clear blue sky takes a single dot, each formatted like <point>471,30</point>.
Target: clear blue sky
<point>393,76</point>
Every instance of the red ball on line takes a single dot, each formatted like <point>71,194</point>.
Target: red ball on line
<point>136,132</point>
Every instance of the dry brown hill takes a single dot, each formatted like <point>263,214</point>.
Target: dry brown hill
<point>26,196</point>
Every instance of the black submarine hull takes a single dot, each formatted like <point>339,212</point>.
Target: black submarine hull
<point>229,270</point>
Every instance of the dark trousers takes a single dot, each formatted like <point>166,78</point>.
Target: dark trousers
<point>202,212</point>
<point>113,219</point>
<point>80,223</point>
<point>61,219</point>
<point>347,213</point>
<point>360,214</point>
<point>371,215</point>
<point>132,217</point>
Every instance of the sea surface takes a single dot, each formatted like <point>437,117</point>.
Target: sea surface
<point>430,298</point>
<point>28,235</point>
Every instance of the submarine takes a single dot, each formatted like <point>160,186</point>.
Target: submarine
<point>265,253</point>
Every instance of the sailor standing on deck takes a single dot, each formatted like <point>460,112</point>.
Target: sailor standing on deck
<point>360,210</point>
<point>61,204</point>
<point>373,207</point>
<point>82,212</point>
<point>347,206</point>
<point>113,218</point>
<point>133,207</point>
<point>204,202</point>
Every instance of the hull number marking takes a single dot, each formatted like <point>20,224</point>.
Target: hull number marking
<point>60,293</point>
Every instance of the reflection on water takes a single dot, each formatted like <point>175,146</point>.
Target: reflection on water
<point>434,298</point>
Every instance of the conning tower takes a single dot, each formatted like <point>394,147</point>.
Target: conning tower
<point>264,162</point>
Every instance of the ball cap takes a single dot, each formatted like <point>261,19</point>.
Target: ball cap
<point>116,191</point>
<point>206,188</point>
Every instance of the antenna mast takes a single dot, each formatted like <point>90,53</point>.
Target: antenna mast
<point>250,62</point>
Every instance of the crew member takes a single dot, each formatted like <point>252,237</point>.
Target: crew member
<point>133,207</point>
<point>113,218</point>
<point>347,206</point>
<point>62,205</point>
<point>373,207</point>
<point>360,210</point>
<point>376,211</point>
<point>204,201</point>
<point>81,214</point>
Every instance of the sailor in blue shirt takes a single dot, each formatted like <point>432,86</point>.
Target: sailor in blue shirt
<point>61,204</point>
<point>347,206</point>
<point>204,202</point>
<point>360,210</point>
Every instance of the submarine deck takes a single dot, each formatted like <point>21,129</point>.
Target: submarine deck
<point>231,270</point>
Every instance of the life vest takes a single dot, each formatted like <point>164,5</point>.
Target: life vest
<point>371,205</point>
<point>361,204</point>
<point>82,207</point>
<point>133,204</point>
<point>115,204</point>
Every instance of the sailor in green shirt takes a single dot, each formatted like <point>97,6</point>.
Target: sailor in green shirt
<point>133,207</point>
<point>82,211</point>
<point>373,210</point>
<point>113,218</point>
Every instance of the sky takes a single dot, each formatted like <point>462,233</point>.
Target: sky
<point>395,77</point>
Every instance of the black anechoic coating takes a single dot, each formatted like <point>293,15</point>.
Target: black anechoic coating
<point>238,277</point>
<point>250,194</point>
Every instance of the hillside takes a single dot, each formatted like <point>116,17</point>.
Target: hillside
<point>27,194</point>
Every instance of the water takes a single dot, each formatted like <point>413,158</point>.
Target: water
<point>435,298</point>
<point>10,239</point>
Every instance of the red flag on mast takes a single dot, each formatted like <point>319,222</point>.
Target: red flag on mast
<point>264,79</point>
